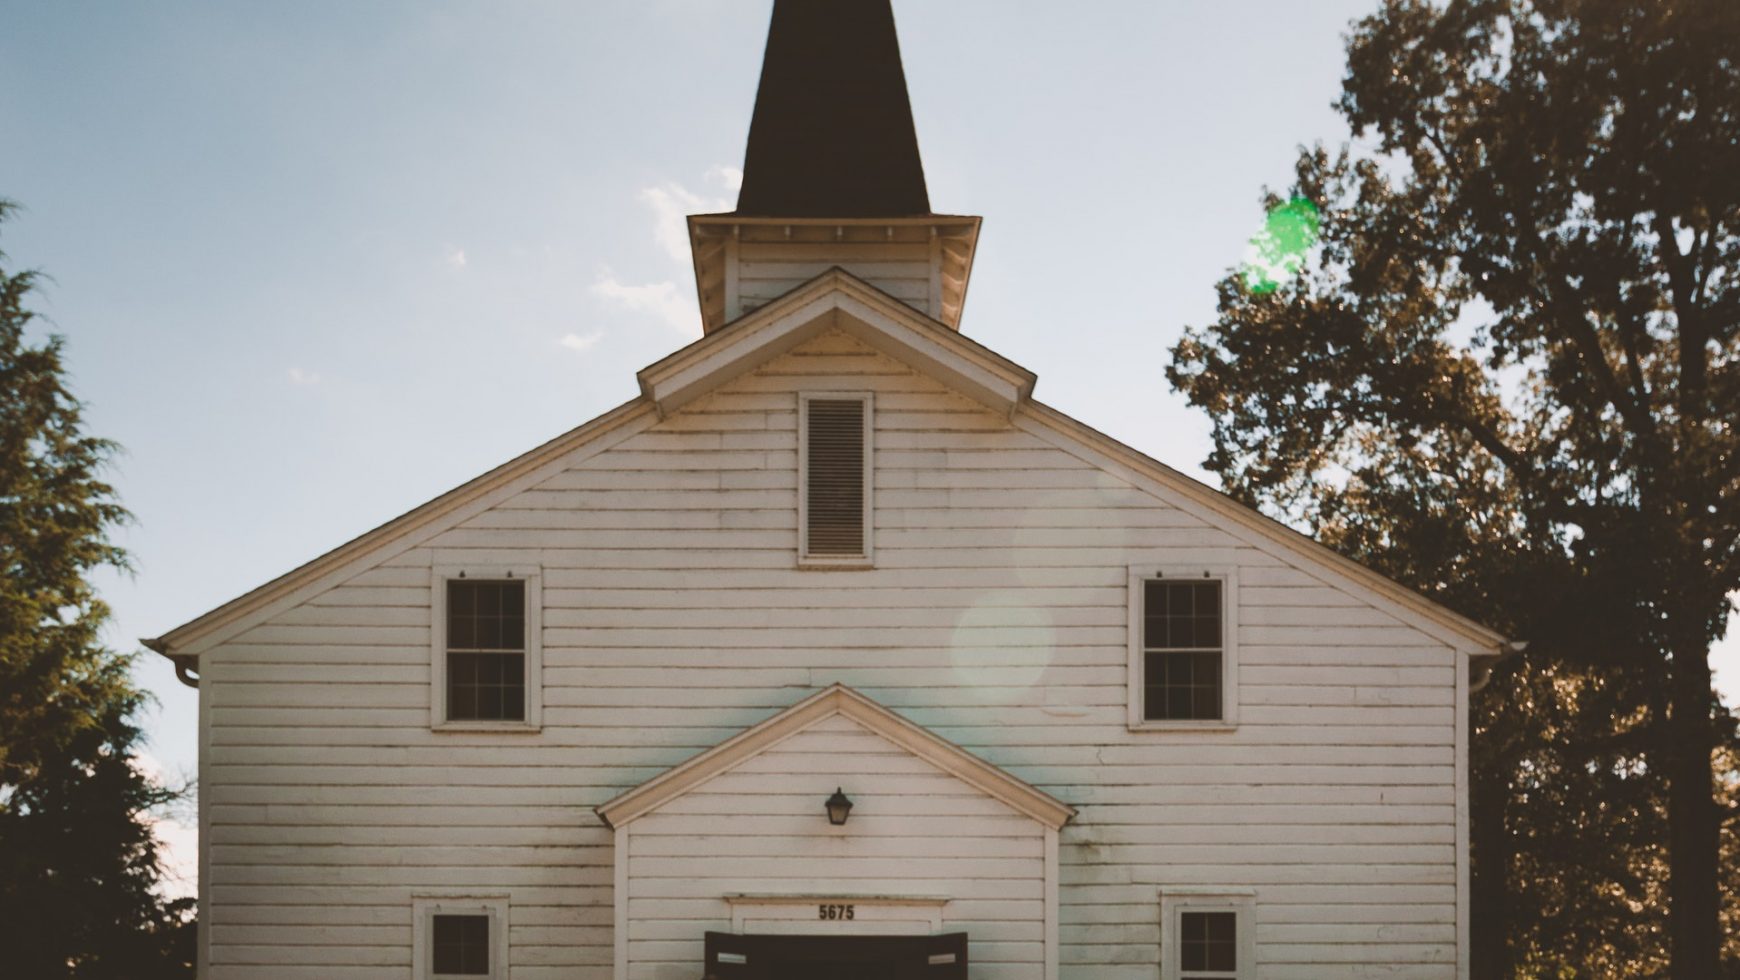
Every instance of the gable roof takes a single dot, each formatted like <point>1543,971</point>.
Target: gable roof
<point>839,300</point>
<point>844,701</point>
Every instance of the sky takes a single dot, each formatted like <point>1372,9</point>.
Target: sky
<point>317,263</point>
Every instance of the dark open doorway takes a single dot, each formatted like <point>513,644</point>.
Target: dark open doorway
<point>756,957</point>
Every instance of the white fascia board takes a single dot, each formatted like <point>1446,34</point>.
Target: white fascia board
<point>836,700</point>
<point>404,532</point>
<point>837,299</point>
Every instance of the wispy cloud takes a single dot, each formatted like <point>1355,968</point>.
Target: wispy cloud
<point>579,344</point>
<point>672,203</point>
<point>455,258</point>
<point>664,300</point>
<point>303,378</point>
<point>729,178</point>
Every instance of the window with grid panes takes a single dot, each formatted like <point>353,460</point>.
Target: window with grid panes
<point>459,946</point>
<point>1182,649</point>
<point>1208,946</point>
<point>486,650</point>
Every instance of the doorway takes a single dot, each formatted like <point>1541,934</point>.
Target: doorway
<point>731,956</point>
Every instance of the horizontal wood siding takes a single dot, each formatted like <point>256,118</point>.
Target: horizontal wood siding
<point>760,829</point>
<point>766,271</point>
<point>675,616</point>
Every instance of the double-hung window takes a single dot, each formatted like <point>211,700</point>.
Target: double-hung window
<point>487,655</point>
<point>1183,670</point>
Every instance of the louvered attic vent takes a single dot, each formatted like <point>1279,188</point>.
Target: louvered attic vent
<point>836,491</point>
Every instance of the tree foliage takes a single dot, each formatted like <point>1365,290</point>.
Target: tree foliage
<point>78,863</point>
<point>1509,374</point>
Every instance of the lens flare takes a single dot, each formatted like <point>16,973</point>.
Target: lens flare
<point>1278,252</point>
<point>1001,642</point>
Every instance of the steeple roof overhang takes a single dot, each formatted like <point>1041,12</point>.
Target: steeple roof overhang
<point>954,239</point>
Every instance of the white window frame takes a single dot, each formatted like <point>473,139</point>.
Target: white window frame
<point>1229,657</point>
<point>868,558</point>
<point>424,908</point>
<point>534,651</point>
<point>1174,902</point>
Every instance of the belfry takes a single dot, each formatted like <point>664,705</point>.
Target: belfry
<point>832,176</point>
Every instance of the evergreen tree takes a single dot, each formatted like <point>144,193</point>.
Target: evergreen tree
<point>1495,352</point>
<point>78,863</point>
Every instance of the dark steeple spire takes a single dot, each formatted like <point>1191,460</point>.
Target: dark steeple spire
<point>832,135</point>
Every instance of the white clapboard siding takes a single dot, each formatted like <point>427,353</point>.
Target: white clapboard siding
<point>767,270</point>
<point>675,616</point>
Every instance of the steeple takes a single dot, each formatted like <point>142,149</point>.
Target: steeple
<point>832,176</point>
<point>832,134</point>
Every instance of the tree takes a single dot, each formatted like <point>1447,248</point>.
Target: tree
<point>78,863</point>
<point>1508,369</point>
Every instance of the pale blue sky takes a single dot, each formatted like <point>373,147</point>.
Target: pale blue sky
<point>318,262</point>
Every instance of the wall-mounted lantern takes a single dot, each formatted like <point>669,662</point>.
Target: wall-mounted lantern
<point>839,808</point>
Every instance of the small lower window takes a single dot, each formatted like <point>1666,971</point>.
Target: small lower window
<point>1206,935</point>
<point>460,936</point>
<point>460,945</point>
<point>1208,945</point>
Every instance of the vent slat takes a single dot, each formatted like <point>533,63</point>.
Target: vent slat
<point>835,500</point>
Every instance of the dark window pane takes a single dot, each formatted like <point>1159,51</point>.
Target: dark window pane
<point>487,635</point>
<point>461,699</point>
<point>1205,702</point>
<point>1181,614</point>
<point>1178,702</point>
<point>1181,685</point>
<point>461,631</point>
<point>486,615</point>
<point>461,599</point>
<point>461,945</point>
<point>1208,941</point>
<point>513,703</point>
<point>486,686</point>
<point>488,671</point>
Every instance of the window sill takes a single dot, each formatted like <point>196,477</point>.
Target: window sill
<point>508,727</point>
<point>824,563</point>
<point>1183,725</point>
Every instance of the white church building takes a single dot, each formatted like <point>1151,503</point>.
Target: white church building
<point>833,654</point>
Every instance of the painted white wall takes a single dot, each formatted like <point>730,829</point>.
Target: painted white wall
<point>675,616</point>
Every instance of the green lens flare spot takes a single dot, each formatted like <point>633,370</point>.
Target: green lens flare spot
<point>1278,252</point>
